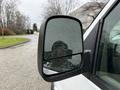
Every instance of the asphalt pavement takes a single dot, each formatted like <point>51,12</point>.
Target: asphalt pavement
<point>18,67</point>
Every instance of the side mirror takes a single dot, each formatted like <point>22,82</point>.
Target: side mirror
<point>60,48</point>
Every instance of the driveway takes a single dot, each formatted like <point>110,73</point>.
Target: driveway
<point>18,67</point>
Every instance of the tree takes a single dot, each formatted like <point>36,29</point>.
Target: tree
<point>7,14</point>
<point>35,27</point>
<point>96,7</point>
<point>28,23</point>
<point>11,17</point>
<point>2,18</point>
<point>21,23</point>
<point>0,12</point>
<point>10,9</point>
<point>54,8</point>
<point>69,5</point>
<point>58,7</point>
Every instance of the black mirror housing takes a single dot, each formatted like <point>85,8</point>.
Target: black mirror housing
<point>59,50</point>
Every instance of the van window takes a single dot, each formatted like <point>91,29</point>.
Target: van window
<point>109,50</point>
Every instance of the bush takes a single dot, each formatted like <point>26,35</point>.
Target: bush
<point>19,31</point>
<point>7,31</point>
<point>29,31</point>
<point>32,32</point>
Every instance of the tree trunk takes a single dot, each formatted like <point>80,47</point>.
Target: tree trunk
<point>2,33</point>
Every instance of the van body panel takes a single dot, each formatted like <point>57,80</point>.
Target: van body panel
<point>75,83</point>
<point>80,81</point>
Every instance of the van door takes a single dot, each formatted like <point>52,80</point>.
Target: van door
<point>108,55</point>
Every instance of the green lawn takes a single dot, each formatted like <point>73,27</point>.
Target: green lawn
<point>8,42</point>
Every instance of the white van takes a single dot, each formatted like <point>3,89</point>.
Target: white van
<point>73,61</point>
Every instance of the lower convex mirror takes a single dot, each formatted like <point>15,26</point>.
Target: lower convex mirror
<point>60,46</point>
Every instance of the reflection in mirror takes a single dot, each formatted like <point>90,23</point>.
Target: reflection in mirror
<point>61,64</point>
<point>63,45</point>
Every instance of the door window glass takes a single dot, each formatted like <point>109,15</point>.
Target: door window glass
<point>109,50</point>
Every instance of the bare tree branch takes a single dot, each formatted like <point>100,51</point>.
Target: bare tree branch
<point>97,5</point>
<point>54,8</point>
<point>58,7</point>
<point>11,17</point>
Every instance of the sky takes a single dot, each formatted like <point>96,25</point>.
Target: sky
<point>33,9</point>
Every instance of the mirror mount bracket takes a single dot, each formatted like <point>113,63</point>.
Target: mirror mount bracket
<point>86,62</point>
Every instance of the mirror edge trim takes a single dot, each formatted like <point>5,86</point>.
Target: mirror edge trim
<point>60,76</point>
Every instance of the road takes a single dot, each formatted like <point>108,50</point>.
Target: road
<point>18,67</point>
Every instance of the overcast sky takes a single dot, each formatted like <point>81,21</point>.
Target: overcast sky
<point>33,9</point>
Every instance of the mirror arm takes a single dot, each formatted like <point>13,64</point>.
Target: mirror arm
<point>86,68</point>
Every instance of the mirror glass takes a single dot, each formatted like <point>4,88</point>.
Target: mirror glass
<point>63,45</point>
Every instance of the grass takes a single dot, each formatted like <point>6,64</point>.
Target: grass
<point>8,42</point>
